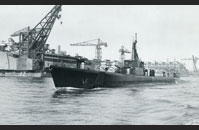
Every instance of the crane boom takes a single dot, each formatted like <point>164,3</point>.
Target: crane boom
<point>187,59</point>
<point>24,30</point>
<point>83,44</point>
<point>123,50</point>
<point>87,43</point>
<point>36,38</point>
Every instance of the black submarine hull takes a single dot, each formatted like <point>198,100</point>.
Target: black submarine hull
<point>80,78</point>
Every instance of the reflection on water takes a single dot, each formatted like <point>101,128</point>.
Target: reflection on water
<point>68,92</point>
<point>34,101</point>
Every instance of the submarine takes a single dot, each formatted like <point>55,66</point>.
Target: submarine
<point>131,72</point>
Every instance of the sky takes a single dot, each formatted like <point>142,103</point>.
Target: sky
<point>165,32</point>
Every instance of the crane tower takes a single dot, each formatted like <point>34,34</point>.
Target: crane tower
<point>122,53</point>
<point>98,49</point>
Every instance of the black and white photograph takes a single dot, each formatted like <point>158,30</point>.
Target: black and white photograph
<point>99,65</point>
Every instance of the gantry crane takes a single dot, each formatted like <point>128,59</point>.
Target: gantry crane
<point>122,53</point>
<point>32,41</point>
<point>98,50</point>
<point>194,60</point>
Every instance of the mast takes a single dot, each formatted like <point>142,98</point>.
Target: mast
<point>134,55</point>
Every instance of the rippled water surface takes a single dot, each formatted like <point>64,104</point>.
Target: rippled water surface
<point>35,101</point>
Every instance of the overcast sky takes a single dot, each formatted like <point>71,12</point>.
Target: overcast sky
<point>164,31</point>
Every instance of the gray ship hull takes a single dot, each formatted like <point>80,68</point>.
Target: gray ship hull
<point>70,77</point>
<point>9,62</point>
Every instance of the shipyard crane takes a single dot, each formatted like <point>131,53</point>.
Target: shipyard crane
<point>122,53</point>
<point>194,60</point>
<point>32,41</point>
<point>98,50</point>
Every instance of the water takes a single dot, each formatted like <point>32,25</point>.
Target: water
<point>35,101</point>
